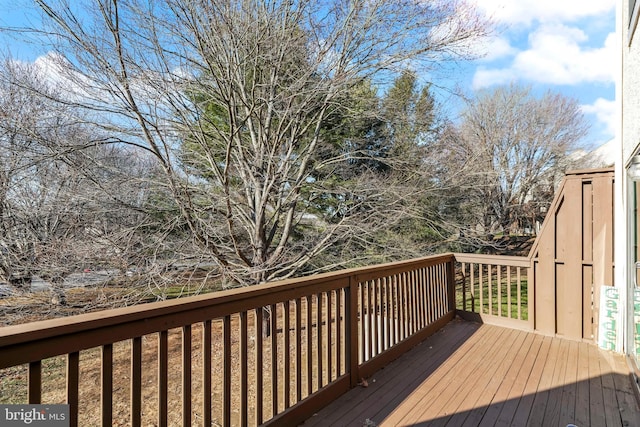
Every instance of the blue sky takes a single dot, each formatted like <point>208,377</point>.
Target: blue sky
<point>566,46</point>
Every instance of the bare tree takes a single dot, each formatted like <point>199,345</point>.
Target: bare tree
<point>26,185</point>
<point>63,205</point>
<point>508,152</point>
<point>233,100</point>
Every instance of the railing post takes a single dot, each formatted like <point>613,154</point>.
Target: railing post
<point>531,296</point>
<point>352,330</point>
<point>451,283</point>
<point>463,272</point>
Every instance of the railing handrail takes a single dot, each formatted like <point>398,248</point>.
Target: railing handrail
<point>376,313</point>
<point>506,260</point>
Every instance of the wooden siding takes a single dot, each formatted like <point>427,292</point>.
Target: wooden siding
<point>573,255</point>
<point>469,374</point>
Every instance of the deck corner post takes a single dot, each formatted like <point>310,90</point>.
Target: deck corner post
<point>451,283</point>
<point>531,296</point>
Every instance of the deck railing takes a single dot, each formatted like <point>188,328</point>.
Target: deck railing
<point>496,289</point>
<point>268,354</point>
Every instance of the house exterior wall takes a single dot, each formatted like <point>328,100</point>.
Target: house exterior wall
<point>628,136</point>
<point>630,84</point>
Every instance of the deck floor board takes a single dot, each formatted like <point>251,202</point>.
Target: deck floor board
<point>471,374</point>
<point>443,391</point>
<point>400,381</point>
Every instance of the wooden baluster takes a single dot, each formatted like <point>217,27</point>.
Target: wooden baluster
<point>499,287</point>
<point>414,301</point>
<point>420,301</point>
<point>206,372</point>
<point>509,304</point>
<point>107,385</point>
<point>373,316</point>
<point>319,338</point>
<point>244,382</point>
<point>472,281</point>
<point>310,364</point>
<point>136,382</point>
<point>259,366</point>
<point>163,369</point>
<point>396,310</point>
<point>351,338</point>
<point>298,349</point>
<point>329,334</point>
<point>34,392</point>
<point>480,288</point>
<point>274,360</point>
<point>287,354</point>
<point>490,287</point>
<point>404,306</point>
<point>463,271</point>
<point>186,375</point>
<point>339,324</point>
<point>226,386</point>
<point>519,290</point>
<point>388,312</point>
<point>362,323</point>
<point>73,377</point>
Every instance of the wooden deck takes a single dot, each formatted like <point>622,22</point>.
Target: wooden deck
<point>469,374</point>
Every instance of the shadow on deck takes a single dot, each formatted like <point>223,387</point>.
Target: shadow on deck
<point>468,374</point>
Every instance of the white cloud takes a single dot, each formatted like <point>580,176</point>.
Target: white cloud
<point>485,77</point>
<point>498,47</point>
<point>525,12</point>
<point>57,73</point>
<point>605,112</point>
<point>556,54</point>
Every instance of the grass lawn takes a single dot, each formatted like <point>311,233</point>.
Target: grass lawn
<point>494,299</point>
